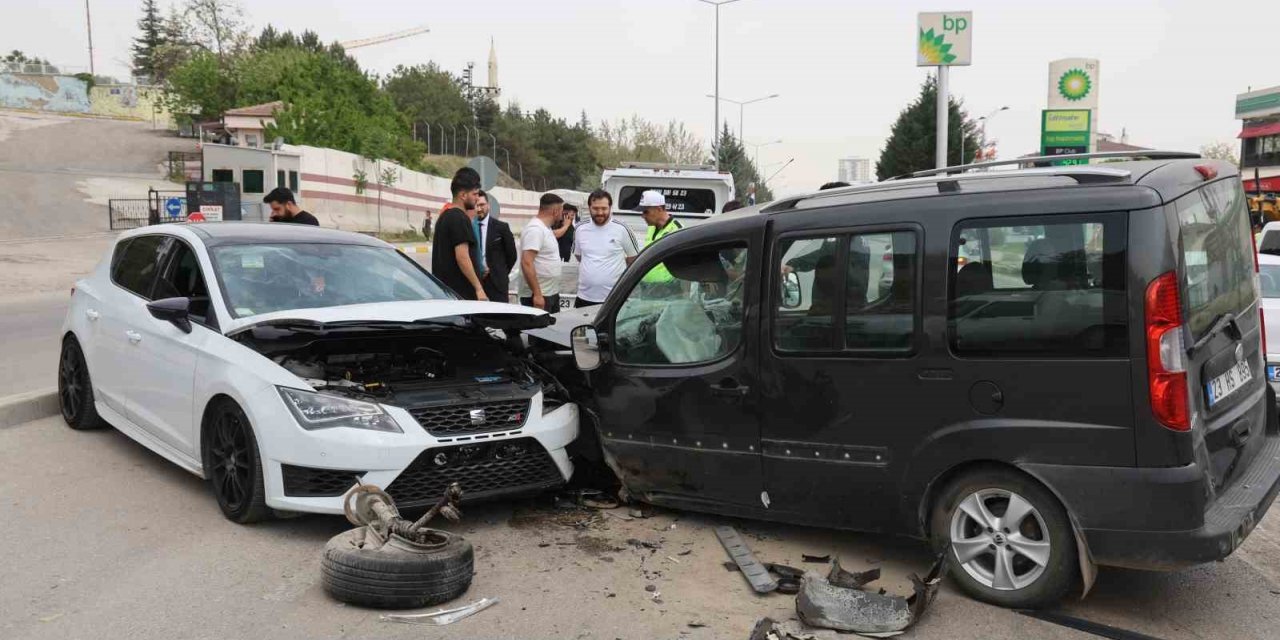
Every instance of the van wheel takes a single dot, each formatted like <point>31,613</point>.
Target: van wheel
<point>232,464</point>
<point>1008,540</point>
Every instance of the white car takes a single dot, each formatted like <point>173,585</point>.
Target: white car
<point>283,362</point>
<point>1269,283</point>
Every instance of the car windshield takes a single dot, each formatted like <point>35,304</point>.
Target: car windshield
<point>262,278</point>
<point>1269,278</point>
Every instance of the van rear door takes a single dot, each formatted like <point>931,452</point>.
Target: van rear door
<point>1224,361</point>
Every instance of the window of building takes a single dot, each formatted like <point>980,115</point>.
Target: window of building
<point>280,178</point>
<point>685,310</point>
<point>293,182</point>
<point>1040,287</point>
<point>251,140</point>
<point>134,265</point>
<point>223,175</point>
<point>252,182</point>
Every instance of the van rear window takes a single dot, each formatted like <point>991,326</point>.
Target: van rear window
<point>1217,253</point>
<point>679,200</point>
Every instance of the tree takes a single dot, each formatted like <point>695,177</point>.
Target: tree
<point>17,57</point>
<point>1221,151</point>
<point>201,86</point>
<point>150,38</point>
<point>429,97</point>
<point>734,159</point>
<point>911,143</point>
<point>216,25</point>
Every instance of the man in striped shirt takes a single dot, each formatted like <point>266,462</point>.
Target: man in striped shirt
<point>604,248</point>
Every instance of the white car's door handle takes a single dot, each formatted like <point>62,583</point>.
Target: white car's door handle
<point>133,336</point>
<point>91,314</point>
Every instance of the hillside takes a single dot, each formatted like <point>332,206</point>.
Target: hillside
<point>446,166</point>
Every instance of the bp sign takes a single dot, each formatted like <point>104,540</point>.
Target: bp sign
<point>945,39</point>
<point>1073,84</point>
<point>1065,132</point>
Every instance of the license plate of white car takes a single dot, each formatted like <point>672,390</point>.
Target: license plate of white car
<point>1229,382</point>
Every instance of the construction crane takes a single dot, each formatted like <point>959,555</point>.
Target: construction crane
<point>365,42</point>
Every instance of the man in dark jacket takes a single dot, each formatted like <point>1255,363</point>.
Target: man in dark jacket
<point>284,208</point>
<point>499,252</point>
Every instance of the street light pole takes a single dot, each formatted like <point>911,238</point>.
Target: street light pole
<point>762,144</point>
<point>742,106</point>
<point>984,120</point>
<point>715,129</point>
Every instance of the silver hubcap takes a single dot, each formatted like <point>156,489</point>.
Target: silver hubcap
<point>1000,539</point>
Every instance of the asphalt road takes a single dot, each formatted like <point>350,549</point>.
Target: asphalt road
<point>29,331</point>
<point>110,541</point>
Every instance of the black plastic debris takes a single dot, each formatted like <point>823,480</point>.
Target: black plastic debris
<point>737,549</point>
<point>816,559</point>
<point>841,578</point>
<point>825,605</point>
<point>1086,626</point>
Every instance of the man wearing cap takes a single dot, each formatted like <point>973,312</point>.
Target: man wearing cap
<point>653,208</point>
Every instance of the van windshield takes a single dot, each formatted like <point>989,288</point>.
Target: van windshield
<point>679,199</point>
<point>1217,253</point>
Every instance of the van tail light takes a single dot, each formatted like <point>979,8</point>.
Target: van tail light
<point>1208,172</point>
<point>1166,354</point>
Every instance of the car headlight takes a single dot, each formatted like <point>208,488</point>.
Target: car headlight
<point>322,411</point>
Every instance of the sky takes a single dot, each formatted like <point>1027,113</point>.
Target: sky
<point>843,69</point>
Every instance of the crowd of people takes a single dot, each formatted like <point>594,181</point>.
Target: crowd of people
<point>473,253</point>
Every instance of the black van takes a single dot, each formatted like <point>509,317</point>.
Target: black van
<point>1036,369</point>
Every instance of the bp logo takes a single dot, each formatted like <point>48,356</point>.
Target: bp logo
<point>1074,85</point>
<point>934,49</point>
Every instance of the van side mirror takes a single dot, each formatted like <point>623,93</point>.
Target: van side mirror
<point>792,297</point>
<point>586,347</point>
<point>173,310</point>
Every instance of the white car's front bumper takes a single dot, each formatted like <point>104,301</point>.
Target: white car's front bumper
<point>379,458</point>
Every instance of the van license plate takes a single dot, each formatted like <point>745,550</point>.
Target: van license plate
<point>1229,382</point>
<point>1273,373</point>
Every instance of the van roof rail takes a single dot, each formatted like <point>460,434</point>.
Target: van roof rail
<point>1149,154</point>
<point>665,167</point>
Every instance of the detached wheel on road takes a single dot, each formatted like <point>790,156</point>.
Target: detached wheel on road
<point>75,391</point>
<point>400,574</point>
<point>1009,540</point>
<point>232,464</point>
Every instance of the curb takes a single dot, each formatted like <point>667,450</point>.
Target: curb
<point>29,406</point>
<point>414,248</point>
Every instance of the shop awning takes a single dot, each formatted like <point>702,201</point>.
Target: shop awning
<point>1259,130</point>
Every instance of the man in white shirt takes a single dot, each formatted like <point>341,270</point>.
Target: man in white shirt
<point>604,248</point>
<point>540,256</point>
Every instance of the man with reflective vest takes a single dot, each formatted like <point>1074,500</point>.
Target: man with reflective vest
<point>653,208</point>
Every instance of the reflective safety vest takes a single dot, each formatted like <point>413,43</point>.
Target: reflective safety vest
<point>659,273</point>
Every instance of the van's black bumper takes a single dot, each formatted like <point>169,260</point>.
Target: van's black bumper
<point>1139,517</point>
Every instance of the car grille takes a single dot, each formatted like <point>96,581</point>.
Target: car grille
<point>484,470</point>
<point>306,482</point>
<point>462,418</point>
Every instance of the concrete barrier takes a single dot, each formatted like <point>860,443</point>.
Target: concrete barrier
<point>25,407</point>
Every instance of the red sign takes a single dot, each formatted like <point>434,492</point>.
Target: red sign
<point>195,216</point>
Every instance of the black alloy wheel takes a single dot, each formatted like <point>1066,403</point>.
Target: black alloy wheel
<point>75,393</point>
<point>232,465</point>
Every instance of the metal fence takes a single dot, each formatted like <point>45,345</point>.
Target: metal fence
<point>39,68</point>
<point>159,207</point>
<point>186,165</point>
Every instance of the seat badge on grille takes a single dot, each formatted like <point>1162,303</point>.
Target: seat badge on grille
<point>478,416</point>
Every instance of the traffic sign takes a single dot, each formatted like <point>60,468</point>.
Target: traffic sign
<point>195,216</point>
<point>173,207</point>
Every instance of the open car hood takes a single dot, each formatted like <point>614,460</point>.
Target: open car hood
<point>495,315</point>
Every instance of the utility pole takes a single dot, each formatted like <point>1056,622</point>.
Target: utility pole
<point>88,20</point>
<point>715,129</point>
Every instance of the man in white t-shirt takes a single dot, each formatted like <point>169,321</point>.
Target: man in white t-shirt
<point>604,248</point>
<point>540,256</point>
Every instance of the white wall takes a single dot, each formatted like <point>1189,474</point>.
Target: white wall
<point>329,191</point>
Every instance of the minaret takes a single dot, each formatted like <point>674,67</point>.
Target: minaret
<point>493,66</point>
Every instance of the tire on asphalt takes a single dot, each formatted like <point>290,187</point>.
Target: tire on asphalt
<point>1059,573</point>
<point>75,389</point>
<point>228,447</point>
<point>400,575</point>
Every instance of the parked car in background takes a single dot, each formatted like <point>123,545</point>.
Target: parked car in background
<point>285,363</point>
<point>1269,286</point>
<point>1087,386</point>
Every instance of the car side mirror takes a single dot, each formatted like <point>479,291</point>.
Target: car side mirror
<point>173,310</point>
<point>792,297</point>
<point>586,347</point>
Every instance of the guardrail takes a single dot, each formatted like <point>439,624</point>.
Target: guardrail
<point>131,213</point>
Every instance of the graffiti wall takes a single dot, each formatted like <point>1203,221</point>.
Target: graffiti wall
<point>129,101</point>
<point>63,94</point>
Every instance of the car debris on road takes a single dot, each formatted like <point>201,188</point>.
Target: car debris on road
<point>838,601</point>
<point>442,617</point>
<point>388,562</point>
